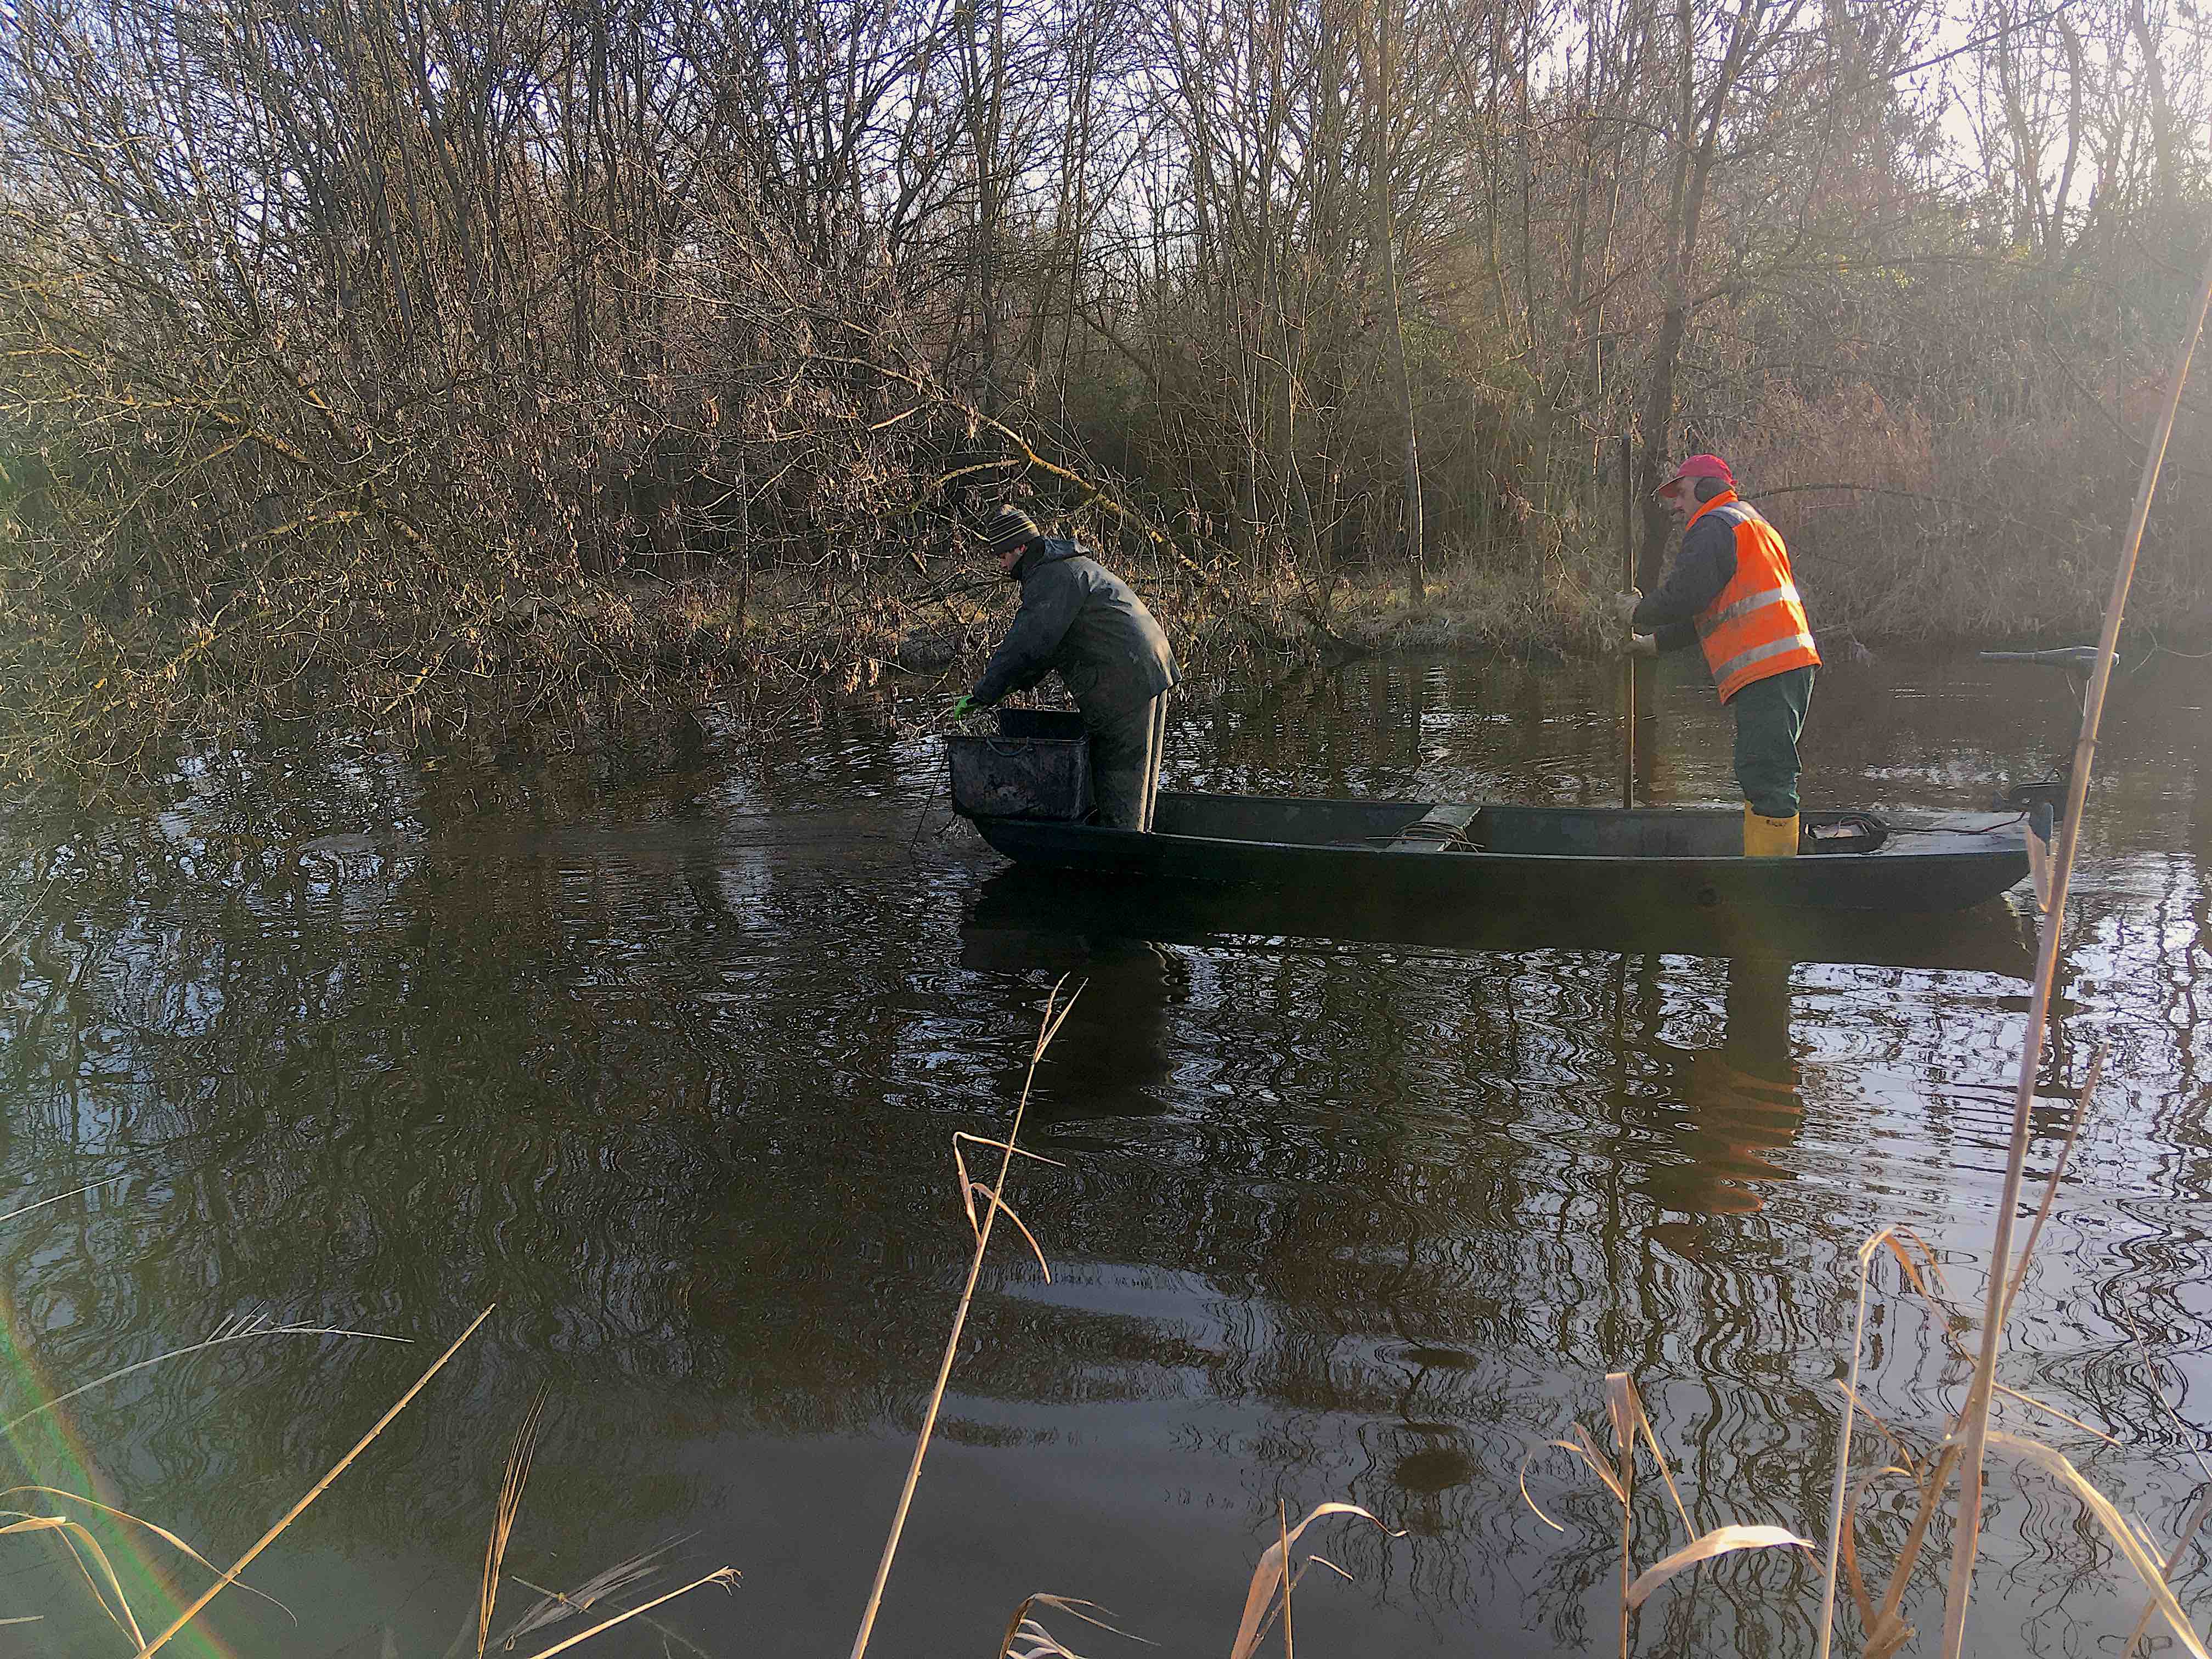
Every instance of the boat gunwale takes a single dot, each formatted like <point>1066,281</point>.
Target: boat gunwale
<point>1889,854</point>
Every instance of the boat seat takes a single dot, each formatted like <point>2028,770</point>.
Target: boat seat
<point>1445,828</point>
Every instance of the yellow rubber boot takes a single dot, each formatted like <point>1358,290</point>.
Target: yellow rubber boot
<point>1768,838</point>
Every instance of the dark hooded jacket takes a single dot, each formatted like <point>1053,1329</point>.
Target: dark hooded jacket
<point>1703,565</point>
<point>1080,619</point>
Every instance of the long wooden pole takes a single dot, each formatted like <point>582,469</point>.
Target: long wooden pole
<point>1974,1430</point>
<point>1627,658</point>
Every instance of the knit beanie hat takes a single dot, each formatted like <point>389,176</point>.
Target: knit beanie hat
<point>1011,529</point>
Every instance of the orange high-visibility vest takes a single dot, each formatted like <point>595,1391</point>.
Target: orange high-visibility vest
<point>1755,627</point>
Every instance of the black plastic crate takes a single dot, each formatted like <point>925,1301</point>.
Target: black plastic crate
<point>1037,767</point>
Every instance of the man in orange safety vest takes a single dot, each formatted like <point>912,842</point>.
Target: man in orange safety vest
<point>1731,591</point>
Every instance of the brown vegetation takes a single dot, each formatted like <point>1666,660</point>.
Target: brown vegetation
<point>376,360</point>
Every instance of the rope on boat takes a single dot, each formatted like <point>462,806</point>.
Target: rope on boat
<point>2020,816</point>
<point>1452,835</point>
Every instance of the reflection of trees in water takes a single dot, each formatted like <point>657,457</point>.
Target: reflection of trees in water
<point>679,1099</point>
<point>1412,1283</point>
<point>387,1126</point>
<point>638,1123</point>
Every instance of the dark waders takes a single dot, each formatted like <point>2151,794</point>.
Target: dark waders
<point>1769,717</point>
<point>1125,762</point>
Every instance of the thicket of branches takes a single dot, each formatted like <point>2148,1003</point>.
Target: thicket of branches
<point>346,345</point>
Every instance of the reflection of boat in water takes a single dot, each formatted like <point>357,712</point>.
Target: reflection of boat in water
<point>1029,915</point>
<point>1460,857</point>
<point>1716,1116</point>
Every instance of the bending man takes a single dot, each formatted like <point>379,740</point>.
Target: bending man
<point>1731,590</point>
<point>1079,620</point>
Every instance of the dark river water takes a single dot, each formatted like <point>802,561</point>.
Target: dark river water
<point>660,1046</point>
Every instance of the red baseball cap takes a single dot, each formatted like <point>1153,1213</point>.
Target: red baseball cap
<point>1699,467</point>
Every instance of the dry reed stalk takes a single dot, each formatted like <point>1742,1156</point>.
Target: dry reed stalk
<point>1884,1630</point>
<point>159,1532</point>
<point>504,1513</point>
<point>726,1577</point>
<point>1836,1504</point>
<point>1976,1412</point>
<point>1273,1572</point>
<point>1631,1422</point>
<point>2152,1609</point>
<point>1055,1011</point>
<point>2197,1515</point>
<point>2057,1173</point>
<point>1043,1644</point>
<point>252,1330</point>
<point>78,1541</point>
<point>553,1606</point>
<point>1860,1597</point>
<point>1299,1577</point>
<point>1720,1540</point>
<point>1283,1535</point>
<point>1889,1631</point>
<point>1626,1492</point>
<point>148,1649</point>
<point>2132,1542</point>
<point>1040,1644</point>
<point>58,1197</point>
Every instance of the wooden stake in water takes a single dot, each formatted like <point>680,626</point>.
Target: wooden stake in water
<point>1627,658</point>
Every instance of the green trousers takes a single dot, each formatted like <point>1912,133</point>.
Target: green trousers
<point>1770,715</point>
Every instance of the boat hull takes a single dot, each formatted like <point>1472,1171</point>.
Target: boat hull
<point>1642,862</point>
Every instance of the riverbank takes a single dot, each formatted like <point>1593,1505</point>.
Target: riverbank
<point>93,708</point>
<point>671,638</point>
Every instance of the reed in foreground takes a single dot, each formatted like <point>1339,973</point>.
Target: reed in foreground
<point>1926,1461</point>
<point>57,1519</point>
<point>1267,1598</point>
<point>1975,1420</point>
<point>1631,1427</point>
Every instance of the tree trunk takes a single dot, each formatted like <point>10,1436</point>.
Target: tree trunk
<point>1378,63</point>
<point>1658,416</point>
<point>1697,148</point>
<point>2161,111</point>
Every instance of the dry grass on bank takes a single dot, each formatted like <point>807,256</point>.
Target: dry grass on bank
<point>99,716</point>
<point>706,628</point>
<point>1902,586</point>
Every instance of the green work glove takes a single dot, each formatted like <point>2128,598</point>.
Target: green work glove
<point>966,705</point>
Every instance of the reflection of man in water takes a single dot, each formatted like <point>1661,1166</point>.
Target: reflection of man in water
<point>1115,1038</point>
<point>1111,1056</point>
<point>1740,1100</point>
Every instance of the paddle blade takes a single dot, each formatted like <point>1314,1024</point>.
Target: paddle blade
<point>2039,869</point>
